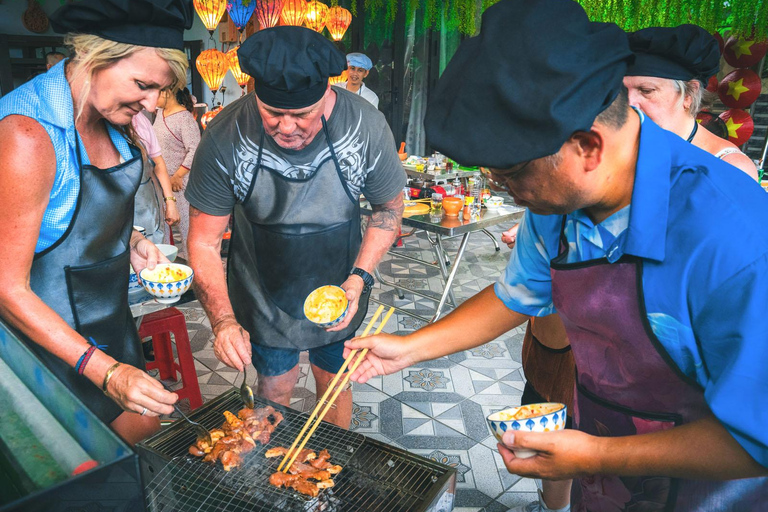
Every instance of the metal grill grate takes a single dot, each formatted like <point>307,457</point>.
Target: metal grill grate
<point>376,477</point>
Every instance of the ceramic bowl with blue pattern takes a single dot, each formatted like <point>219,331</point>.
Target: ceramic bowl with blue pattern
<point>326,306</point>
<point>543,417</point>
<point>167,282</point>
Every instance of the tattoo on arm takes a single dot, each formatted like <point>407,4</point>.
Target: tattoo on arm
<point>387,216</point>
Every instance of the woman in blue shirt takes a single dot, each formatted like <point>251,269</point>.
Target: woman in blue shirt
<point>69,170</point>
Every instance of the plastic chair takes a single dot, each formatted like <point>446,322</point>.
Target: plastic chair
<point>159,326</point>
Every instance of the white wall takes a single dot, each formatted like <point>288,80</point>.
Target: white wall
<point>10,23</point>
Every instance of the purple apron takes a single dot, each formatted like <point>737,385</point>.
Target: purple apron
<point>626,384</point>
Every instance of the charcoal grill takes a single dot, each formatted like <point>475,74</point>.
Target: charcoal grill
<point>376,477</point>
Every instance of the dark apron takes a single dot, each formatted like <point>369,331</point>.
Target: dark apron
<point>290,237</point>
<point>84,276</point>
<point>626,384</point>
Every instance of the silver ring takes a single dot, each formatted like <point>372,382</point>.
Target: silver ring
<point>144,412</point>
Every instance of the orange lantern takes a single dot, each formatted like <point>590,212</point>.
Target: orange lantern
<point>317,14</point>
<point>234,67</point>
<point>333,80</point>
<point>268,12</point>
<point>294,12</point>
<point>338,22</point>
<point>210,11</point>
<point>212,65</point>
<point>206,118</point>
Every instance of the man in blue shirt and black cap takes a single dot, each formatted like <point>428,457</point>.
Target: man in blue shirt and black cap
<point>289,164</point>
<point>646,246</point>
<point>358,67</point>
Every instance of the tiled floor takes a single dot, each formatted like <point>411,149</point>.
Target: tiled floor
<point>436,409</point>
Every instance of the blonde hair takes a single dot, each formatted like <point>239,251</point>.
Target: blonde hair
<point>700,97</point>
<point>91,53</point>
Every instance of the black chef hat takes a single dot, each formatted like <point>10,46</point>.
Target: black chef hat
<point>538,71</point>
<point>680,53</point>
<point>290,65</point>
<point>156,23</point>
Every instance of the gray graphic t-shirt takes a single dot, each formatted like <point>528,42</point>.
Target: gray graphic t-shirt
<point>226,158</point>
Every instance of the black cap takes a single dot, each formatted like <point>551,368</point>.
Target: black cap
<point>538,71</point>
<point>156,23</point>
<point>680,53</point>
<point>290,65</point>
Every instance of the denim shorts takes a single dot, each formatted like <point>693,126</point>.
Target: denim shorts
<point>272,362</point>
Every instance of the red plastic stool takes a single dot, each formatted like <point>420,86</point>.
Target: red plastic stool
<point>159,327</point>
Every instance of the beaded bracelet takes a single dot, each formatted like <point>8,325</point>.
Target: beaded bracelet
<point>80,366</point>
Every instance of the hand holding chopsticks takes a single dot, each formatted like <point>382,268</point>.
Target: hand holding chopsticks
<point>292,454</point>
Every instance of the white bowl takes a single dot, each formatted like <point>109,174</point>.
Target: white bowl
<point>544,417</point>
<point>167,291</point>
<point>322,295</point>
<point>170,251</point>
<point>494,202</point>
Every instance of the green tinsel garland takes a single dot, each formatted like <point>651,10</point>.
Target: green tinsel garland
<point>747,18</point>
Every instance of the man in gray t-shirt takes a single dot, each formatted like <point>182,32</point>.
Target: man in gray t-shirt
<point>288,164</point>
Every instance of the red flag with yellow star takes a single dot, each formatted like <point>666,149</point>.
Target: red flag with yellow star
<point>742,53</point>
<point>740,125</point>
<point>739,88</point>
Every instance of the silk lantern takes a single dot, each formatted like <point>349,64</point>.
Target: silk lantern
<point>740,125</point>
<point>338,21</point>
<point>739,88</point>
<point>206,118</point>
<point>212,65</point>
<point>210,12</point>
<point>333,80</point>
<point>317,14</point>
<point>268,12</point>
<point>240,12</point>
<point>294,12</point>
<point>742,53</point>
<point>234,67</point>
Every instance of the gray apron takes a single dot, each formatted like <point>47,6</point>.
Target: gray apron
<point>289,238</point>
<point>147,211</point>
<point>84,276</point>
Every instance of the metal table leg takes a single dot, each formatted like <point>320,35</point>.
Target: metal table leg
<point>439,251</point>
<point>493,238</point>
<point>451,276</point>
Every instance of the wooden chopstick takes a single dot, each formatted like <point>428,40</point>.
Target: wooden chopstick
<point>338,390</point>
<point>328,391</point>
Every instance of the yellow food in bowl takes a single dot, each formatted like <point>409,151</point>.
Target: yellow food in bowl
<point>525,411</point>
<point>325,304</point>
<point>166,274</point>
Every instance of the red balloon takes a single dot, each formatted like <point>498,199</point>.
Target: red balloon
<point>720,42</point>
<point>740,125</point>
<point>743,53</point>
<point>739,88</point>
<point>712,84</point>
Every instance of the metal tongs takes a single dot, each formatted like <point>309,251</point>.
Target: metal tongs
<point>201,431</point>
<point>246,393</point>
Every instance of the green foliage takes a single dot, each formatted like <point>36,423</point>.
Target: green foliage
<point>747,18</point>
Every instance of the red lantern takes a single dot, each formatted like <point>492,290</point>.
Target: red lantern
<point>739,88</point>
<point>294,12</point>
<point>268,12</point>
<point>210,11</point>
<point>720,42</point>
<point>234,67</point>
<point>742,53</point>
<point>333,80</point>
<point>212,65</point>
<point>317,14</point>
<point>740,125</point>
<point>338,22</point>
<point>712,84</point>
<point>206,118</point>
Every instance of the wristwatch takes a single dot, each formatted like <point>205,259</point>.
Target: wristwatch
<point>367,278</point>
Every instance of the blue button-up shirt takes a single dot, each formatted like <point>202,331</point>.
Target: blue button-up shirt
<point>47,99</point>
<point>696,222</point>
